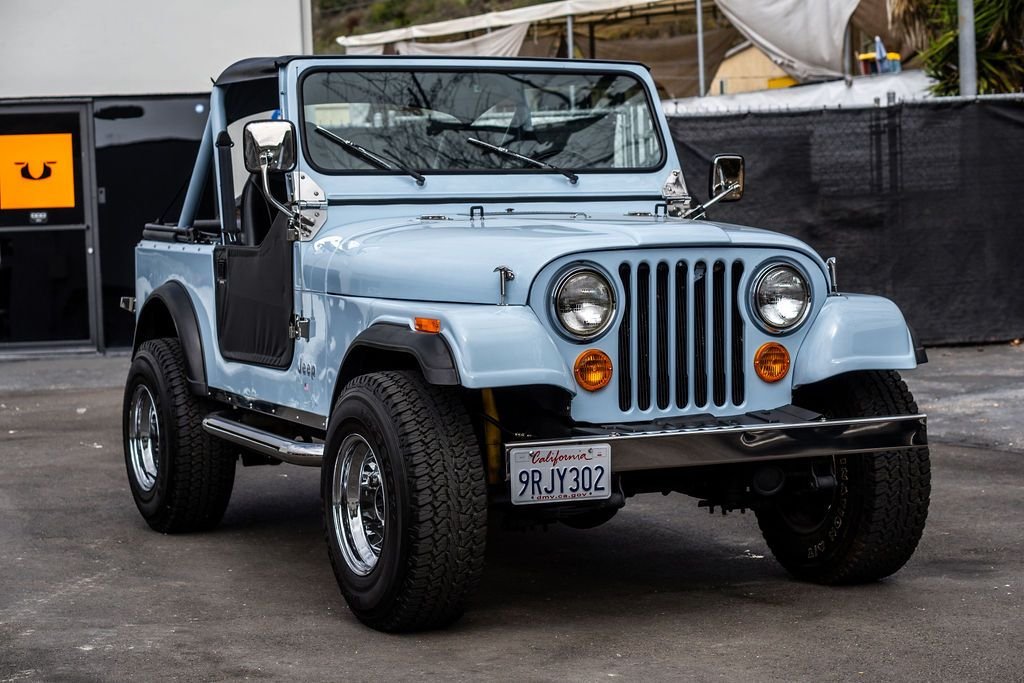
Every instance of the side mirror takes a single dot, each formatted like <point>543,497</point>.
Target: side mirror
<point>726,172</point>
<point>269,145</point>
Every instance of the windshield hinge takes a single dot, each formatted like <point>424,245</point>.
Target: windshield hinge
<point>310,206</point>
<point>298,328</point>
<point>677,198</point>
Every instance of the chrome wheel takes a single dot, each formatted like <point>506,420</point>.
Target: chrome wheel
<point>144,438</point>
<point>359,504</point>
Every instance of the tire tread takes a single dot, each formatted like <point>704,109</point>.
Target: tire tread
<point>447,533</point>
<point>202,468</point>
<point>896,485</point>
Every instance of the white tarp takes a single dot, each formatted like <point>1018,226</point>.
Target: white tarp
<point>365,49</point>
<point>862,92</point>
<point>804,38</point>
<point>492,20</point>
<point>504,42</point>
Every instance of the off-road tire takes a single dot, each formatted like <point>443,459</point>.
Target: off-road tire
<point>879,506</point>
<point>432,554</point>
<point>196,471</point>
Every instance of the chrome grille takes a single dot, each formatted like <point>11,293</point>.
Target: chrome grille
<point>681,336</point>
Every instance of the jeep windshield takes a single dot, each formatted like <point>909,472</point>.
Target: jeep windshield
<point>425,120</point>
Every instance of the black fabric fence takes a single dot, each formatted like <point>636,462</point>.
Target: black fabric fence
<point>922,203</point>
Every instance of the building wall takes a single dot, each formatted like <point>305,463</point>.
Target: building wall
<point>62,48</point>
<point>746,70</point>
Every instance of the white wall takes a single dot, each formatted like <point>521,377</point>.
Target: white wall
<point>133,47</point>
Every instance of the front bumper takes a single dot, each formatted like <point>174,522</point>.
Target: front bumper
<point>781,434</point>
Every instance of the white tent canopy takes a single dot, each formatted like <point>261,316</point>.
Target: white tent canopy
<point>804,38</point>
<point>504,42</point>
<point>491,20</point>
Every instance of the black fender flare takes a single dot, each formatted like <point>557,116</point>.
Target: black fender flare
<point>178,304</point>
<point>430,351</point>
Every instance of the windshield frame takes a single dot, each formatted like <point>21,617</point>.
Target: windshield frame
<point>655,112</point>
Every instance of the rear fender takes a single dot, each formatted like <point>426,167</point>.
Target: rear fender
<point>168,312</point>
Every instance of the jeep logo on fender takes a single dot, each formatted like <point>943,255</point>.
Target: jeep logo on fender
<point>37,171</point>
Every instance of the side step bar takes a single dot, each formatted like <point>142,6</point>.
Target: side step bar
<point>264,442</point>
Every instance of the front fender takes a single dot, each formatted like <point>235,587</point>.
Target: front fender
<point>854,332</point>
<point>501,346</point>
<point>491,346</point>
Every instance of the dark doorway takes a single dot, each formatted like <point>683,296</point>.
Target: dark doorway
<point>47,221</point>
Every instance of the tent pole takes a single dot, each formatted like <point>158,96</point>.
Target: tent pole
<point>700,47</point>
<point>968,57</point>
<point>590,29</point>
<point>848,52</point>
<point>570,48</point>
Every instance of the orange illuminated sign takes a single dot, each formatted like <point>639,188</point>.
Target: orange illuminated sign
<point>37,171</point>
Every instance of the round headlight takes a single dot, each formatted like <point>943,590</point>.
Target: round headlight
<point>781,297</point>
<point>584,303</point>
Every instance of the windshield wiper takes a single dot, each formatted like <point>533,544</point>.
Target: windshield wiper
<point>573,178</point>
<point>369,157</point>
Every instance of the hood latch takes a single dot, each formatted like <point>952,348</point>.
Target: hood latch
<point>505,276</point>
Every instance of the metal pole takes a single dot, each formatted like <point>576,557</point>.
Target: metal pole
<point>700,48</point>
<point>570,48</point>
<point>848,52</point>
<point>306,26</point>
<point>968,56</point>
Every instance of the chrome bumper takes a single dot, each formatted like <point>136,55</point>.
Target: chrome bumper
<point>729,441</point>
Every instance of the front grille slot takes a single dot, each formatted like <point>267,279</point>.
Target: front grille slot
<point>681,339</point>
<point>682,344</point>
<point>643,336</point>
<point>662,303</point>
<point>625,372</point>
<point>736,370</point>
<point>718,337</point>
<point>700,335</point>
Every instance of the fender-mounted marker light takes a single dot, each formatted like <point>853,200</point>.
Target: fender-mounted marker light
<point>593,370</point>
<point>771,362</point>
<point>428,325</point>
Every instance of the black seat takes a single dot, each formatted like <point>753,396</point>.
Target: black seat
<point>257,213</point>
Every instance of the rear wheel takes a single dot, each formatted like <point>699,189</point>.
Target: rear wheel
<point>404,502</point>
<point>180,476</point>
<point>868,524</point>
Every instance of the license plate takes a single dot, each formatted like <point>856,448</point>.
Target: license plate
<point>566,473</point>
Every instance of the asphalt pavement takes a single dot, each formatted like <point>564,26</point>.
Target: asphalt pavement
<point>662,592</point>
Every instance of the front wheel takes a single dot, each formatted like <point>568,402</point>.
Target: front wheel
<point>404,502</point>
<point>868,525</point>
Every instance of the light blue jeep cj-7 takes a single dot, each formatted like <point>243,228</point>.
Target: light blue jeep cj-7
<point>458,285</point>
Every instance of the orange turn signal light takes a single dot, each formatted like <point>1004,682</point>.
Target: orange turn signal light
<point>428,325</point>
<point>593,370</point>
<point>771,362</point>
